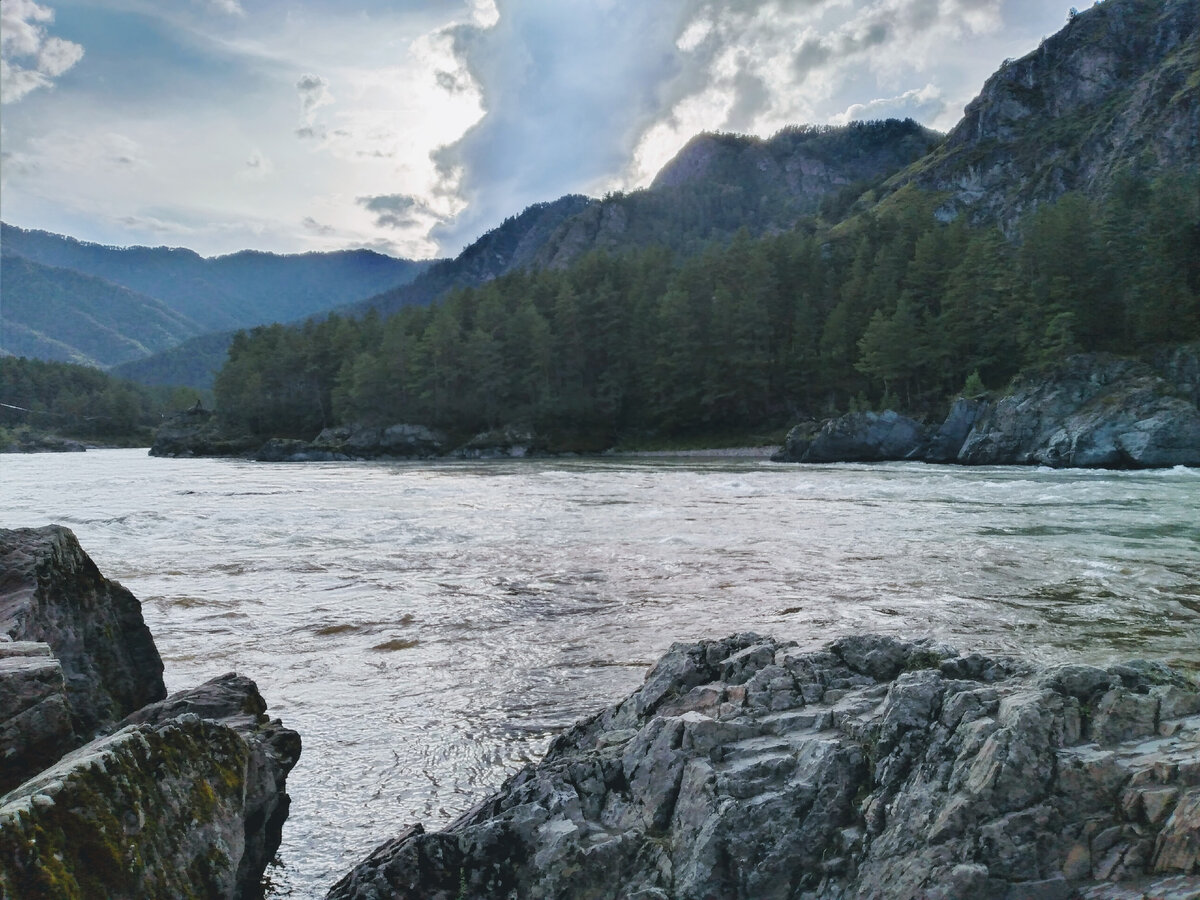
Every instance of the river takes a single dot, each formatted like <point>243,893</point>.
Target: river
<point>427,627</point>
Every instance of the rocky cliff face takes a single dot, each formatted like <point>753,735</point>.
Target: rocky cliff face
<point>182,797</point>
<point>186,800</point>
<point>1091,410</point>
<point>1116,88</point>
<point>52,592</point>
<point>875,768</point>
<point>720,183</point>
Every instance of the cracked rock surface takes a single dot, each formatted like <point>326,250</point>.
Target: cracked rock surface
<point>746,769</point>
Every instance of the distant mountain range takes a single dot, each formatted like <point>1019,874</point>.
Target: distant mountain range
<point>1117,90</point>
<point>74,301</point>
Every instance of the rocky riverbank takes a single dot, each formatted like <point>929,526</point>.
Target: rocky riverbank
<point>1088,411</point>
<point>110,788</point>
<point>874,768</point>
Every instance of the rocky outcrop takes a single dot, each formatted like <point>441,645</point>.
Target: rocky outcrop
<point>273,750</point>
<point>35,715</point>
<point>399,441</point>
<point>1113,91</point>
<point>1090,411</point>
<point>874,768</point>
<point>799,439</point>
<point>26,441</point>
<point>502,443</point>
<point>52,592</point>
<point>185,801</point>
<point>856,437</point>
<point>946,442</point>
<point>197,432</point>
<point>176,797</point>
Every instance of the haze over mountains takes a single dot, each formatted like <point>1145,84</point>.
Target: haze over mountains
<point>74,301</point>
<point>1114,92</point>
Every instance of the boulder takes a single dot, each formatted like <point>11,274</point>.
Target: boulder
<point>196,432</point>
<point>874,768</point>
<point>234,701</point>
<point>35,716</point>
<point>797,442</point>
<point>51,592</point>
<point>292,450</point>
<point>868,437</point>
<point>948,439</point>
<point>1090,411</point>
<point>501,443</point>
<point>185,800</point>
<point>400,441</point>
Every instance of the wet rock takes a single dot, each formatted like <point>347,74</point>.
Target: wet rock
<point>798,440</point>
<point>1091,411</point>
<point>234,701</point>
<point>874,768</point>
<point>948,439</point>
<point>197,432</point>
<point>868,437</point>
<point>291,450</point>
<point>502,443</point>
<point>400,441</point>
<point>35,716</point>
<point>52,592</point>
<point>168,809</point>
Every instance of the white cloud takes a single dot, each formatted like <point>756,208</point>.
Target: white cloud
<point>925,104</point>
<point>314,93</point>
<point>29,57</point>
<point>228,7</point>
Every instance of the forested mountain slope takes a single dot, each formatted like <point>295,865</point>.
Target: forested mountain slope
<point>235,291</point>
<point>1081,153</point>
<point>716,185</point>
<point>58,314</point>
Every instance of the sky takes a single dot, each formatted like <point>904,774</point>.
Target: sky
<point>413,126</point>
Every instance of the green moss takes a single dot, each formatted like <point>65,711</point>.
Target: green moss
<point>922,659</point>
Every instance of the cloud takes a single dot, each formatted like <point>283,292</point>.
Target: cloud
<point>311,224</point>
<point>314,93</point>
<point>924,104</point>
<point>228,7</point>
<point>396,210</point>
<point>29,57</point>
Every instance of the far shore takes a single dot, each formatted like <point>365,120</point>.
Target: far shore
<point>745,452</point>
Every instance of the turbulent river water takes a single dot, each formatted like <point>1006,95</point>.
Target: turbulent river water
<point>427,627</point>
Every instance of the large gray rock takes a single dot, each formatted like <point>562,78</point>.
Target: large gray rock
<point>52,592</point>
<point>184,801</point>
<point>868,437</point>
<point>35,716</point>
<point>875,768</point>
<point>947,441</point>
<point>799,439</point>
<point>509,442</point>
<point>198,432</point>
<point>400,441</point>
<point>1090,411</point>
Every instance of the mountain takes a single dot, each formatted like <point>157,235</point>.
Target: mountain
<point>715,186</point>
<point>58,314</point>
<point>1117,91</point>
<point>193,363</point>
<point>512,245</point>
<point>719,184</point>
<point>219,293</point>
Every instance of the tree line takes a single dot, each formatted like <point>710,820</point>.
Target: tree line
<point>74,401</point>
<point>892,308</point>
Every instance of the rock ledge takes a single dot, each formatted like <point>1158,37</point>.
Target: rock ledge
<point>874,768</point>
